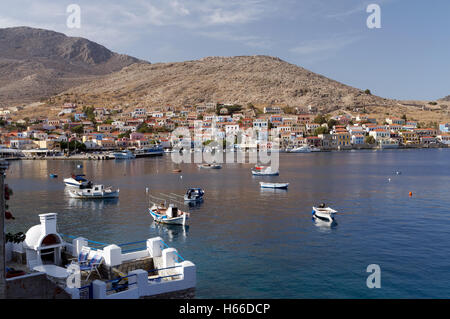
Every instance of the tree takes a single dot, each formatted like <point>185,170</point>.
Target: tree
<point>144,128</point>
<point>89,111</point>
<point>78,129</point>
<point>320,119</point>
<point>370,139</point>
<point>368,92</point>
<point>126,134</point>
<point>404,117</point>
<point>73,145</point>
<point>331,123</point>
<point>321,130</point>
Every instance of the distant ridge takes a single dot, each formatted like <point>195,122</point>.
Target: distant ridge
<point>38,63</point>
<point>262,80</point>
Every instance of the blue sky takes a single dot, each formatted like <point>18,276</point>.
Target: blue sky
<point>408,58</point>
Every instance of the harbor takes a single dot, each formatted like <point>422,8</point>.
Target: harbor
<point>247,241</point>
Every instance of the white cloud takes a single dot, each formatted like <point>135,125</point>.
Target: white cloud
<point>325,45</point>
<point>249,40</point>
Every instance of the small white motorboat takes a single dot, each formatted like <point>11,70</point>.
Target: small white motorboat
<point>274,185</point>
<point>324,213</point>
<point>123,155</point>
<point>96,192</point>
<point>194,195</point>
<point>264,171</point>
<point>168,215</point>
<point>301,149</point>
<point>211,166</point>
<point>77,181</point>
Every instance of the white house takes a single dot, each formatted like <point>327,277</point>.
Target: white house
<point>380,134</point>
<point>260,124</point>
<point>357,139</point>
<point>231,129</point>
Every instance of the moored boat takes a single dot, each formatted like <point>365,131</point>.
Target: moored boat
<point>149,151</point>
<point>77,181</point>
<point>168,215</point>
<point>96,192</point>
<point>274,185</point>
<point>211,166</point>
<point>301,149</point>
<point>324,213</point>
<point>194,195</point>
<point>123,155</point>
<point>266,171</point>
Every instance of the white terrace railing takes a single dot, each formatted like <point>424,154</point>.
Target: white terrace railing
<point>171,274</point>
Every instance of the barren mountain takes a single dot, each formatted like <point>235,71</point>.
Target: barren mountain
<point>261,80</point>
<point>36,63</point>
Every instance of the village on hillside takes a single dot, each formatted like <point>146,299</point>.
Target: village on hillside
<point>87,130</point>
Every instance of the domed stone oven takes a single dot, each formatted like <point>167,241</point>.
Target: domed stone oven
<point>42,243</point>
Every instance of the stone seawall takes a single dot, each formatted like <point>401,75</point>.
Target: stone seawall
<point>34,286</point>
<point>182,294</point>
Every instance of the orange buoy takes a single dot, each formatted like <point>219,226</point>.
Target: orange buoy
<point>410,194</point>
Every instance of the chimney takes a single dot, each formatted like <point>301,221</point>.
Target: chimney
<point>48,222</point>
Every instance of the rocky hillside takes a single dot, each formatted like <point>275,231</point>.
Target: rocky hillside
<point>261,80</point>
<point>36,63</point>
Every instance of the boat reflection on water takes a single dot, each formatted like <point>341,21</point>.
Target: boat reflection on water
<point>92,204</point>
<point>273,190</point>
<point>324,226</point>
<point>193,205</point>
<point>172,232</point>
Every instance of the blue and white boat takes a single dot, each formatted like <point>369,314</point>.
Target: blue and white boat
<point>77,181</point>
<point>168,215</point>
<point>194,195</point>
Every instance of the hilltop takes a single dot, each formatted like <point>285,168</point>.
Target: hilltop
<point>260,80</point>
<point>36,64</point>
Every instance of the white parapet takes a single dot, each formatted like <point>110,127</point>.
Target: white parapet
<point>155,246</point>
<point>99,289</point>
<point>78,244</point>
<point>112,255</point>
<point>170,257</point>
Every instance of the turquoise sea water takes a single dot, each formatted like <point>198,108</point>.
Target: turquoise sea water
<point>253,243</point>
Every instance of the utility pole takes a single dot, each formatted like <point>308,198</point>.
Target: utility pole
<point>3,167</point>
